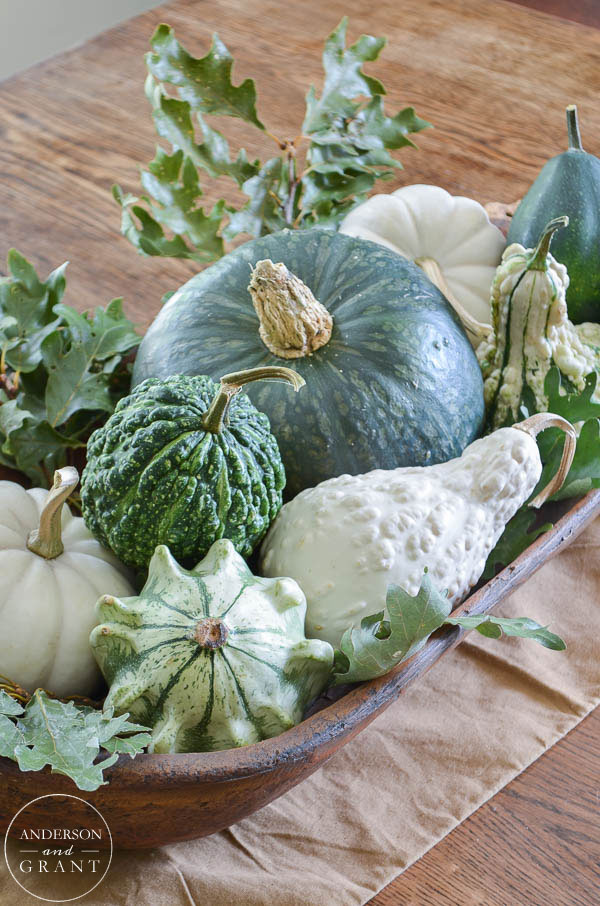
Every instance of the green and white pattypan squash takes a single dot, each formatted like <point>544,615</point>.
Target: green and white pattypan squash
<point>449,237</point>
<point>349,538</point>
<point>52,571</point>
<point>531,332</point>
<point>210,658</point>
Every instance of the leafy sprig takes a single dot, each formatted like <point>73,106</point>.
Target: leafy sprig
<point>61,372</point>
<point>380,644</point>
<point>343,149</point>
<point>66,737</point>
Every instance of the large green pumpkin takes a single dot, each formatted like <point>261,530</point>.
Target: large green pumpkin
<point>396,384</point>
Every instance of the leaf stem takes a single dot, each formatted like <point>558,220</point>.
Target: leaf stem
<point>293,182</point>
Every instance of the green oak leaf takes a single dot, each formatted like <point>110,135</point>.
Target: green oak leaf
<point>521,627</point>
<point>335,187</point>
<point>367,138</point>
<point>262,213</point>
<point>173,121</point>
<point>9,705</point>
<point>172,181</point>
<point>350,140</point>
<point>344,79</point>
<point>149,237</point>
<point>204,83</point>
<point>66,737</point>
<point>378,644</point>
<point>518,534</point>
<point>576,406</point>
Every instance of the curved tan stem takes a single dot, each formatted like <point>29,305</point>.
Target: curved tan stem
<point>432,270</point>
<point>532,426</point>
<point>46,539</point>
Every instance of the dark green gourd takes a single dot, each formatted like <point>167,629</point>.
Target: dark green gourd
<point>184,462</point>
<point>568,184</point>
<point>392,379</point>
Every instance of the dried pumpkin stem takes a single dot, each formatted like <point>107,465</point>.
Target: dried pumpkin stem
<point>540,422</point>
<point>46,539</point>
<point>231,384</point>
<point>432,270</point>
<point>211,633</point>
<point>292,322</point>
<point>573,129</point>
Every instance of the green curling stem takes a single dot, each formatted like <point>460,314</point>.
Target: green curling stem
<point>538,259</point>
<point>231,384</point>
<point>573,129</point>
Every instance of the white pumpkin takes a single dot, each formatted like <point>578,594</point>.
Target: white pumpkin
<point>443,234</point>
<point>52,572</point>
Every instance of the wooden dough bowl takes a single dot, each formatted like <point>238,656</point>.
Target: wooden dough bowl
<point>158,799</point>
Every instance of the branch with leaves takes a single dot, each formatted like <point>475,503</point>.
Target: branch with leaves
<point>314,180</point>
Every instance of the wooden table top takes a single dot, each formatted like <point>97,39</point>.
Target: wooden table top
<point>494,78</point>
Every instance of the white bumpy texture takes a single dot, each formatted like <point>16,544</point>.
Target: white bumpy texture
<point>350,537</point>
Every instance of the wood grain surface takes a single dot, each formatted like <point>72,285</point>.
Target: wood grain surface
<point>494,79</point>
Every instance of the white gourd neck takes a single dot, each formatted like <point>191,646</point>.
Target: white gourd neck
<point>46,539</point>
<point>433,271</point>
<point>293,323</point>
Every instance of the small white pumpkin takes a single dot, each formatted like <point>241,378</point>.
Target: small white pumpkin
<point>52,572</point>
<point>449,237</point>
<point>349,538</point>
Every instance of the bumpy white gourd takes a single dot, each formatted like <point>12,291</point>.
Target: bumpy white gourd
<point>450,237</point>
<point>350,537</point>
<point>52,572</point>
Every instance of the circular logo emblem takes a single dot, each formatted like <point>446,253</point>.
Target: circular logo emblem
<point>57,862</point>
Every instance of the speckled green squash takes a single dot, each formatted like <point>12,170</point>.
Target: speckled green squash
<point>156,474</point>
<point>211,658</point>
<point>568,184</point>
<point>397,384</point>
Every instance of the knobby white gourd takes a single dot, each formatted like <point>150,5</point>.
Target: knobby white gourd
<point>52,571</point>
<point>449,237</point>
<point>349,538</point>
